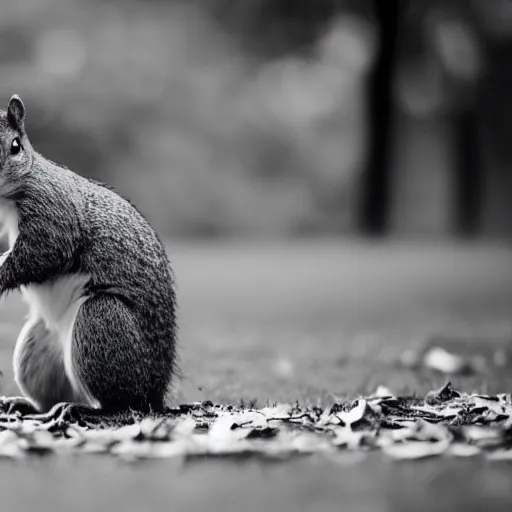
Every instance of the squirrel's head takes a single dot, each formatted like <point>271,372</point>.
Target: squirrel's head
<point>15,150</point>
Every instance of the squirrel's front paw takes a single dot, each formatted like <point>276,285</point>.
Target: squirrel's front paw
<point>14,404</point>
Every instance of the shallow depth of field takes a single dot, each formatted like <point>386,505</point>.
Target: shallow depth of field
<point>335,203</point>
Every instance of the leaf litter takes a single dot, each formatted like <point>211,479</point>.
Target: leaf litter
<point>445,423</point>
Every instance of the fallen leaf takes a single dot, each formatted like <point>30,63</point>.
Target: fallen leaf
<point>463,450</point>
<point>445,362</point>
<point>353,415</point>
<point>500,455</point>
<point>483,436</point>
<point>416,449</point>
<point>382,392</point>
<point>441,395</point>
<point>346,437</point>
<point>184,426</point>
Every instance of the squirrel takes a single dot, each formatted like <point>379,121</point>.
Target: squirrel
<point>101,330</point>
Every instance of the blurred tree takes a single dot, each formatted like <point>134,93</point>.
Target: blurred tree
<point>494,22</point>
<point>375,190</point>
<point>465,47</point>
<point>430,65</point>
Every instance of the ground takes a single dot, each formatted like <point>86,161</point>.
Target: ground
<point>307,320</point>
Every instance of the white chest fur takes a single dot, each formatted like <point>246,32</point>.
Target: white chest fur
<point>57,304</point>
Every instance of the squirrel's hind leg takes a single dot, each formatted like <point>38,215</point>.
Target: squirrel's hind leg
<point>39,368</point>
<point>113,361</point>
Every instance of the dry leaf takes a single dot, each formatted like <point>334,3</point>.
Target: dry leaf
<point>416,449</point>
<point>463,450</point>
<point>439,359</point>
<point>500,455</point>
<point>185,426</point>
<point>383,392</point>
<point>355,414</point>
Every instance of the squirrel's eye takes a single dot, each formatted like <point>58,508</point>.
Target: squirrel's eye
<point>15,146</point>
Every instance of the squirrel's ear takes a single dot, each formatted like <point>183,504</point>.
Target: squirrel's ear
<point>16,112</point>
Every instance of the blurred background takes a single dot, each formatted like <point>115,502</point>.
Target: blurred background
<point>276,117</point>
<point>333,177</point>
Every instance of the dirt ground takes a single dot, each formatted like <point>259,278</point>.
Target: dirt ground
<point>310,321</point>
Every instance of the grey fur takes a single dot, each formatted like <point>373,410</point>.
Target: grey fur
<point>125,335</point>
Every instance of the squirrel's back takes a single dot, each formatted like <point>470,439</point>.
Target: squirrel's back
<point>106,236</point>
